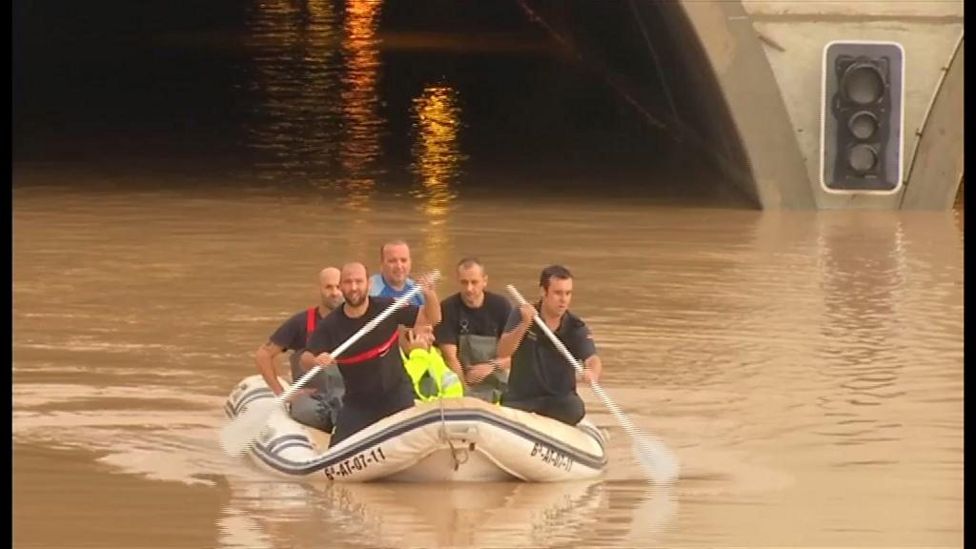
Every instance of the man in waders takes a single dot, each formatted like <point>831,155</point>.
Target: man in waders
<point>317,404</point>
<point>472,320</point>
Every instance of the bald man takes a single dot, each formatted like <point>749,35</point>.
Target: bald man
<point>317,404</point>
<point>372,369</point>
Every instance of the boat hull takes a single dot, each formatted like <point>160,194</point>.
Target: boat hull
<point>450,440</point>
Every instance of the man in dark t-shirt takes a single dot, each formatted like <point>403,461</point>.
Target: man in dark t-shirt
<point>372,369</point>
<point>472,320</point>
<point>541,379</point>
<point>317,404</point>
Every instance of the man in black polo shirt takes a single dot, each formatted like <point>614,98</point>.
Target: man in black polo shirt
<point>376,382</point>
<point>472,320</point>
<point>541,379</point>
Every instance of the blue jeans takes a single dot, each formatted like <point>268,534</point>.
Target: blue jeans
<point>317,410</point>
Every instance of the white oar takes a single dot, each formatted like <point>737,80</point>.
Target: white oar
<point>237,436</point>
<point>658,462</point>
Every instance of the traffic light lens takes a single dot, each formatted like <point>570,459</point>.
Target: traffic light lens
<point>862,158</point>
<point>863,125</point>
<point>863,84</point>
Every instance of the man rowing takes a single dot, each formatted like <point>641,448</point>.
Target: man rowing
<point>372,369</point>
<point>540,379</point>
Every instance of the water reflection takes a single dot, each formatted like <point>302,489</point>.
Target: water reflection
<point>360,147</point>
<point>862,267</point>
<point>315,116</point>
<point>278,514</point>
<point>437,156</point>
<point>292,128</point>
<point>437,162</point>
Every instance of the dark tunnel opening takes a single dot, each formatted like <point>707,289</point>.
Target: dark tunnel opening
<point>609,96</point>
<point>617,90</point>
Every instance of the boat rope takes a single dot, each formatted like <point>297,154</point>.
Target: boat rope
<point>443,434</point>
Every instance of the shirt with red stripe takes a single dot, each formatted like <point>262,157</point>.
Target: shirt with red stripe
<point>371,367</point>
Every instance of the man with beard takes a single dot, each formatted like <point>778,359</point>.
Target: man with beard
<point>318,403</point>
<point>472,320</point>
<point>376,382</point>
<point>541,380</point>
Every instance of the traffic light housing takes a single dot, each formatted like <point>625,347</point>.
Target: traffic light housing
<point>862,117</point>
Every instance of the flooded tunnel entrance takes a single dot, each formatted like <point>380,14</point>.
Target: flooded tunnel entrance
<point>608,96</point>
<point>612,98</point>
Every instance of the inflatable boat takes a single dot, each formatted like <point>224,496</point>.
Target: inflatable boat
<point>450,440</point>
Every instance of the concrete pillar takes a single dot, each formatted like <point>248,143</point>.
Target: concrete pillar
<point>755,103</point>
<point>766,57</point>
<point>795,33</point>
<point>936,171</point>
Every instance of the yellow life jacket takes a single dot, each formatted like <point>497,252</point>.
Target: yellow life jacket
<point>430,375</point>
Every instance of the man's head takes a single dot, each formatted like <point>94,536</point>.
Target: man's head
<point>395,262</point>
<point>331,295</point>
<point>354,283</point>
<point>472,280</point>
<point>556,285</point>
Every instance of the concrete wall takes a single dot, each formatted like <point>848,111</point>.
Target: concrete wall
<point>787,38</point>
<point>936,172</point>
<point>753,99</point>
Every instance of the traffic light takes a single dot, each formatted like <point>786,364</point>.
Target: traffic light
<point>862,114</point>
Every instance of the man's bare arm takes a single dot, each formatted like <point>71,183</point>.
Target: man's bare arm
<point>264,359</point>
<point>509,342</point>
<point>450,352</point>
<point>431,311</point>
<point>595,367</point>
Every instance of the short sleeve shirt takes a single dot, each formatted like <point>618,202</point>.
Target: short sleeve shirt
<point>538,368</point>
<point>293,334</point>
<point>372,367</point>
<point>458,319</point>
<point>379,288</point>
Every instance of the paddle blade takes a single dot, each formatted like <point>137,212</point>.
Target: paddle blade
<point>656,459</point>
<point>239,434</point>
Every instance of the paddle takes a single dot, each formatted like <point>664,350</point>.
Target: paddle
<point>237,436</point>
<point>654,457</point>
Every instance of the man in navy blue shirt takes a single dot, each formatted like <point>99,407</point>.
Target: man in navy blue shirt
<point>541,380</point>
